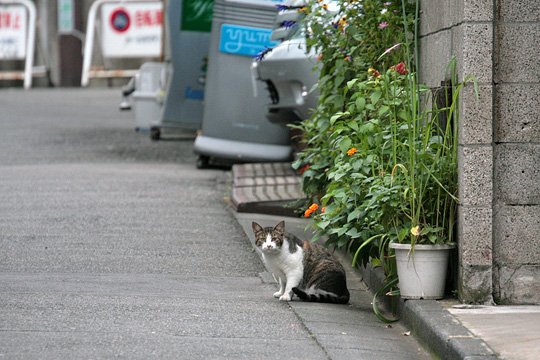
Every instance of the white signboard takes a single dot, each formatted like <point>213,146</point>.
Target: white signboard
<point>13,32</point>
<point>132,29</point>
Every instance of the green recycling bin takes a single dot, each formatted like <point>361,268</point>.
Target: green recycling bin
<point>189,23</point>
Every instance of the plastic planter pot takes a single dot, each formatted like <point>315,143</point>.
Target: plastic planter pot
<point>422,271</point>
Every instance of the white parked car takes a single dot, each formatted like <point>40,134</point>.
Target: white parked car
<point>289,72</point>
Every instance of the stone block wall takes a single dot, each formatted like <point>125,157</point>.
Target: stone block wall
<point>516,201</point>
<point>497,41</point>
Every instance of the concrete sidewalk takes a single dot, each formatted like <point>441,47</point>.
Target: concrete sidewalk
<point>448,330</point>
<point>345,332</point>
<point>113,246</point>
<point>513,332</point>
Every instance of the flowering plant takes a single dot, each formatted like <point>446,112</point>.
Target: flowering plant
<point>348,41</point>
<point>381,148</point>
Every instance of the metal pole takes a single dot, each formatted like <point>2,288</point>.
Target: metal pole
<point>89,41</point>
<point>163,31</point>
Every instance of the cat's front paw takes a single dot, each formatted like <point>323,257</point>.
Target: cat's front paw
<point>285,297</point>
<point>277,294</point>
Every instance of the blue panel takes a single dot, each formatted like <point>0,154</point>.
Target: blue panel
<point>193,94</point>
<point>244,40</point>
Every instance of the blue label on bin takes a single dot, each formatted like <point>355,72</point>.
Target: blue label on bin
<point>244,40</point>
<point>193,94</point>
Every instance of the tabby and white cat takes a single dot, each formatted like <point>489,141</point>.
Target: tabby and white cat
<point>307,270</point>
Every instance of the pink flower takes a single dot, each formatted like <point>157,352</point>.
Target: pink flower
<point>383,25</point>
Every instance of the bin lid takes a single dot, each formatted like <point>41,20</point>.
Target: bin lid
<point>251,3</point>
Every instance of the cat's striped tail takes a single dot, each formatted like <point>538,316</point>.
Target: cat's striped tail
<point>319,295</point>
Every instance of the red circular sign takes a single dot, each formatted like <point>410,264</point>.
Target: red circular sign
<point>120,20</point>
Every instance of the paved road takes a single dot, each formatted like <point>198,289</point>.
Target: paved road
<point>115,246</point>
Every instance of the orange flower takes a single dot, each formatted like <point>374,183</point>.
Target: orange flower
<point>351,151</point>
<point>342,23</point>
<point>303,169</point>
<point>310,210</point>
<point>323,209</point>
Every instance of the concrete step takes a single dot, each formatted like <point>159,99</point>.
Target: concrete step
<point>265,188</point>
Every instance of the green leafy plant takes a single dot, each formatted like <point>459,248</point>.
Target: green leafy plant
<point>348,41</point>
<point>380,157</point>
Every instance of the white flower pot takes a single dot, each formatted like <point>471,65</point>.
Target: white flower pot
<point>422,272</point>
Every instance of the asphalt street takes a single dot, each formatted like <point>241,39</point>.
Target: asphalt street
<point>114,246</point>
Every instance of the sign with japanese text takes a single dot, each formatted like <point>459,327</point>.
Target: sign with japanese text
<point>13,32</point>
<point>132,29</point>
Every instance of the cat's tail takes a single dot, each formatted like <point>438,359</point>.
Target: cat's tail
<point>318,295</point>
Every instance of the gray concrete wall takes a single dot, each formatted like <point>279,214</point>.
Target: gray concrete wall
<point>499,140</point>
<point>516,239</point>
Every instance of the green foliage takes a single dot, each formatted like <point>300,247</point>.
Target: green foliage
<point>348,44</point>
<point>381,148</point>
<point>352,113</point>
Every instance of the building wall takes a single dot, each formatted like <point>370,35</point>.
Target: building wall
<point>516,239</point>
<point>497,41</point>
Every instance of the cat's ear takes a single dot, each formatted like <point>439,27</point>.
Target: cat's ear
<point>280,227</point>
<point>256,227</point>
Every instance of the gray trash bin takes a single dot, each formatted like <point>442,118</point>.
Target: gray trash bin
<point>148,95</point>
<point>189,23</point>
<point>234,123</point>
